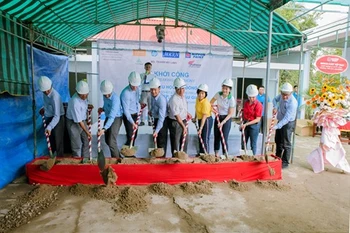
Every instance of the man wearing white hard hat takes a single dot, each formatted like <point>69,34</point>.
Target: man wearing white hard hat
<point>203,114</point>
<point>252,110</point>
<point>76,121</point>
<point>114,117</point>
<point>54,114</point>
<point>177,116</point>
<point>145,92</point>
<point>130,99</point>
<point>158,112</point>
<point>225,106</point>
<point>285,105</point>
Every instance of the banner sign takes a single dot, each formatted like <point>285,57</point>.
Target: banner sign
<point>331,64</point>
<point>196,64</point>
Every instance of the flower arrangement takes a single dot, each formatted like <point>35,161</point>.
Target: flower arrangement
<point>329,94</point>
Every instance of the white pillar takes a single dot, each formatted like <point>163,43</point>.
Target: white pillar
<point>93,80</point>
<point>347,57</point>
<point>305,79</point>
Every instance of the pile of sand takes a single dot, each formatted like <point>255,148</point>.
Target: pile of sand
<point>241,187</point>
<point>128,152</point>
<point>131,200</point>
<point>157,153</point>
<point>181,155</point>
<point>29,206</point>
<point>162,189</point>
<point>82,190</point>
<point>200,187</point>
<point>209,158</point>
<point>106,192</point>
<point>272,185</point>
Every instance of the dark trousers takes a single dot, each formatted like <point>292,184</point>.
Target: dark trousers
<point>78,138</point>
<point>176,135</point>
<point>262,124</point>
<point>56,137</point>
<point>129,129</point>
<point>225,130</point>
<point>283,142</point>
<point>162,138</point>
<point>251,132</point>
<point>205,133</point>
<point>111,135</point>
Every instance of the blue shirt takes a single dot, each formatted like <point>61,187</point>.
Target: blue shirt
<point>159,110</point>
<point>77,109</point>
<point>53,108</point>
<point>287,110</point>
<point>261,99</point>
<point>112,108</point>
<point>130,102</point>
<point>297,97</point>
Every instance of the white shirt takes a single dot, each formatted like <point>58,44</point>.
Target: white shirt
<point>77,109</point>
<point>224,103</point>
<point>145,81</point>
<point>177,105</point>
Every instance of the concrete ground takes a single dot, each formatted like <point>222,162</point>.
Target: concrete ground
<point>307,202</point>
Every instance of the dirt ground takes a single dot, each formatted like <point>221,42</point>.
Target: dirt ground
<point>301,202</point>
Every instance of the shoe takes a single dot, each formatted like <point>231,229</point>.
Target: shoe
<point>284,165</point>
<point>149,124</point>
<point>142,123</point>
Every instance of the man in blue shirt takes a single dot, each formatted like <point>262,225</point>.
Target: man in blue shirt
<point>297,97</point>
<point>261,98</point>
<point>285,105</point>
<point>158,112</point>
<point>114,115</point>
<point>54,114</point>
<point>145,91</point>
<point>76,121</point>
<point>130,98</point>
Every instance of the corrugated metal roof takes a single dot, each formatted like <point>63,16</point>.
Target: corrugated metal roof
<point>172,34</point>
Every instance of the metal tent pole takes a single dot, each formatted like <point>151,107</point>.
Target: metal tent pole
<point>299,82</point>
<point>346,35</point>
<point>243,78</point>
<point>33,89</point>
<point>268,61</point>
<point>75,66</point>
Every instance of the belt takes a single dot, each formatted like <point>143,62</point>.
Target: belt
<point>145,91</point>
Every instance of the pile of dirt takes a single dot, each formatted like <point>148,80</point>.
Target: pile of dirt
<point>128,152</point>
<point>131,200</point>
<point>106,192</point>
<point>241,187</point>
<point>48,165</point>
<point>200,187</point>
<point>82,190</point>
<point>109,176</point>
<point>162,189</point>
<point>209,158</point>
<point>248,158</point>
<point>181,155</point>
<point>134,161</point>
<point>272,185</point>
<point>29,206</point>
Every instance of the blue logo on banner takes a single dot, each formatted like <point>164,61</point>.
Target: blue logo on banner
<point>198,55</point>
<point>154,53</point>
<point>171,54</point>
<point>187,55</point>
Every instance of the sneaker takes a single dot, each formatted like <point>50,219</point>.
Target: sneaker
<point>284,165</point>
<point>142,123</point>
<point>149,124</point>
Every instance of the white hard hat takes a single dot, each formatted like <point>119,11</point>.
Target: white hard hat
<point>179,82</point>
<point>106,87</point>
<point>227,82</point>
<point>134,79</point>
<point>154,83</point>
<point>252,90</point>
<point>287,88</point>
<point>45,83</point>
<point>82,87</point>
<point>203,87</point>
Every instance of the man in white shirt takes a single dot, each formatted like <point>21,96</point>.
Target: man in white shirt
<point>145,92</point>
<point>177,115</point>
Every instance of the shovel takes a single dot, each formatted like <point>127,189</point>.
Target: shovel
<point>155,152</point>
<point>130,151</point>
<point>201,139</point>
<point>244,152</point>
<point>101,160</point>
<point>52,159</point>
<point>215,110</point>
<point>181,154</point>
<point>271,170</point>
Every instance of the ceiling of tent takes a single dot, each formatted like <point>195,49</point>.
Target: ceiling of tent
<point>332,2</point>
<point>243,24</point>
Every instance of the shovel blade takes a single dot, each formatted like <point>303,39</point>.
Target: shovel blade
<point>101,160</point>
<point>247,152</point>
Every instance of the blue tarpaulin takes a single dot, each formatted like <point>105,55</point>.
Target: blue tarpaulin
<point>16,117</point>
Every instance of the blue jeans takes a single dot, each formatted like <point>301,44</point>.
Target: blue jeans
<point>252,132</point>
<point>225,130</point>
<point>205,134</point>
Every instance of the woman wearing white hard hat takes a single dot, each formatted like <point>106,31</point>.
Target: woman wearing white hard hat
<point>203,114</point>
<point>285,105</point>
<point>130,100</point>
<point>54,114</point>
<point>225,107</point>
<point>114,117</point>
<point>177,116</point>
<point>76,120</point>
<point>158,111</point>
<point>252,110</point>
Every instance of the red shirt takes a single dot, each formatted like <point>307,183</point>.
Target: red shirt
<point>252,111</point>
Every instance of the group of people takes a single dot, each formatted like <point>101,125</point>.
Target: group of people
<point>143,95</point>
